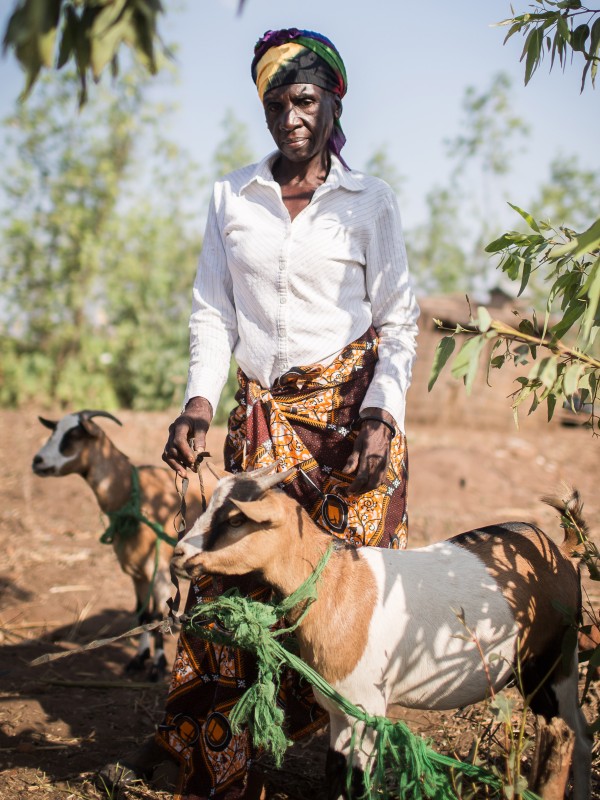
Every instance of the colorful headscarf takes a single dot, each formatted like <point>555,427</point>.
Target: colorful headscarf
<point>297,56</point>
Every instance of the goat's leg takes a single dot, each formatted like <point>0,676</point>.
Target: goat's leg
<point>341,755</point>
<point>566,691</point>
<point>338,757</point>
<point>158,668</point>
<point>161,591</point>
<point>142,589</point>
<point>558,697</point>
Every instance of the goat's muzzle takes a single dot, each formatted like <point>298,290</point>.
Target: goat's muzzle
<point>183,564</point>
<point>40,469</point>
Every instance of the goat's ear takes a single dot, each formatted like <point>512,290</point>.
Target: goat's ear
<point>89,427</point>
<point>217,471</point>
<point>264,510</point>
<point>47,423</point>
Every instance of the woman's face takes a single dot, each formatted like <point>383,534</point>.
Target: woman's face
<point>300,118</point>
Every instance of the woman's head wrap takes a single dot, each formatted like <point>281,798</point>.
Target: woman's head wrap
<point>295,56</point>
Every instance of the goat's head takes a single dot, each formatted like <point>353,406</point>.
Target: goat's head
<point>67,449</point>
<point>235,534</point>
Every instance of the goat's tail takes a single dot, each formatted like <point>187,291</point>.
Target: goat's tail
<point>570,508</point>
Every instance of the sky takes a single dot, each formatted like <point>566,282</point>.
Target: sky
<point>408,67</point>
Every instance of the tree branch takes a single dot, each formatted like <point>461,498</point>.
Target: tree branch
<point>508,332</point>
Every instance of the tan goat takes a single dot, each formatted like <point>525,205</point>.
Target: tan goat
<point>389,626</point>
<point>79,446</point>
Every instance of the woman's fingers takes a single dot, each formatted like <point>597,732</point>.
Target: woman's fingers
<point>369,458</point>
<point>178,453</point>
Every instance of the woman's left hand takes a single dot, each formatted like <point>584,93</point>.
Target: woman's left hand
<point>371,454</point>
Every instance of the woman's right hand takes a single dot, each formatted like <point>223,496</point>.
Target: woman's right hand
<point>193,423</point>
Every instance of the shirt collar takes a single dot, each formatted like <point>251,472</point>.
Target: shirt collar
<point>338,176</point>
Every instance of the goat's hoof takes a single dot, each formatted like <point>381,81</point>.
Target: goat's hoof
<point>117,775</point>
<point>138,662</point>
<point>158,670</point>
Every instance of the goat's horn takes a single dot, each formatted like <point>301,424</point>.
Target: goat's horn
<point>48,423</point>
<point>267,481</point>
<point>87,414</point>
<point>217,471</point>
<point>266,470</point>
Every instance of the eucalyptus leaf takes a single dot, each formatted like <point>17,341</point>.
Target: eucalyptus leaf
<point>571,378</point>
<point>570,317</point>
<point>68,37</point>
<point>468,354</point>
<point>525,277</point>
<point>484,319</point>
<point>443,351</point>
<point>548,371</point>
<point>588,241</point>
<point>593,300</point>
<point>578,39</point>
<point>527,217</point>
<point>533,53</point>
<point>551,403</point>
<point>563,27</point>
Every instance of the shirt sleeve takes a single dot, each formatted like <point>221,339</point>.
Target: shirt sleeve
<point>395,312</point>
<point>213,323</point>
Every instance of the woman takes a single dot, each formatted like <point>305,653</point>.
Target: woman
<point>302,276</point>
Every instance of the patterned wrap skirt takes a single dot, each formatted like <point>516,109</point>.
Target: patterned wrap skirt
<point>310,418</point>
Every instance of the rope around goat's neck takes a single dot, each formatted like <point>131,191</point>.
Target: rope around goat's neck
<point>125,521</point>
<point>421,773</point>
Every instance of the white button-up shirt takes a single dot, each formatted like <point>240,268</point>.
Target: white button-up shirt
<point>280,293</point>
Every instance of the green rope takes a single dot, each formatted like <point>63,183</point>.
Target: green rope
<point>421,773</point>
<point>125,521</point>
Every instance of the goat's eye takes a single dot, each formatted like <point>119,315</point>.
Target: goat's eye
<point>236,521</point>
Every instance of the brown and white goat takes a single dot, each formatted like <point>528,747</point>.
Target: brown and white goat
<point>390,626</point>
<point>79,446</point>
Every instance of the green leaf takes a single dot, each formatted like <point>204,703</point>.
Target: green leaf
<point>527,217</point>
<point>584,243</point>
<point>580,34</point>
<point>442,353</point>
<point>525,277</point>
<point>595,37</point>
<point>593,295</point>
<point>47,32</point>
<point>502,708</point>
<point>499,244</point>
<point>571,378</point>
<point>105,42</point>
<point>512,266</point>
<point>533,53</point>
<point>551,401</point>
<point>68,37</point>
<point>483,319</point>
<point>570,317</point>
<point>563,28</point>
<point>515,27</point>
<point>466,362</point>
<point>548,372</point>
<point>520,354</point>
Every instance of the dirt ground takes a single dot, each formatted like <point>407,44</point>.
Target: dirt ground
<point>60,587</point>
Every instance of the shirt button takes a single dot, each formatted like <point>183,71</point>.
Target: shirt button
<point>282,300</point>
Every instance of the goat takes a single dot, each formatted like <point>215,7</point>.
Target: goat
<point>414,628</point>
<point>79,446</point>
